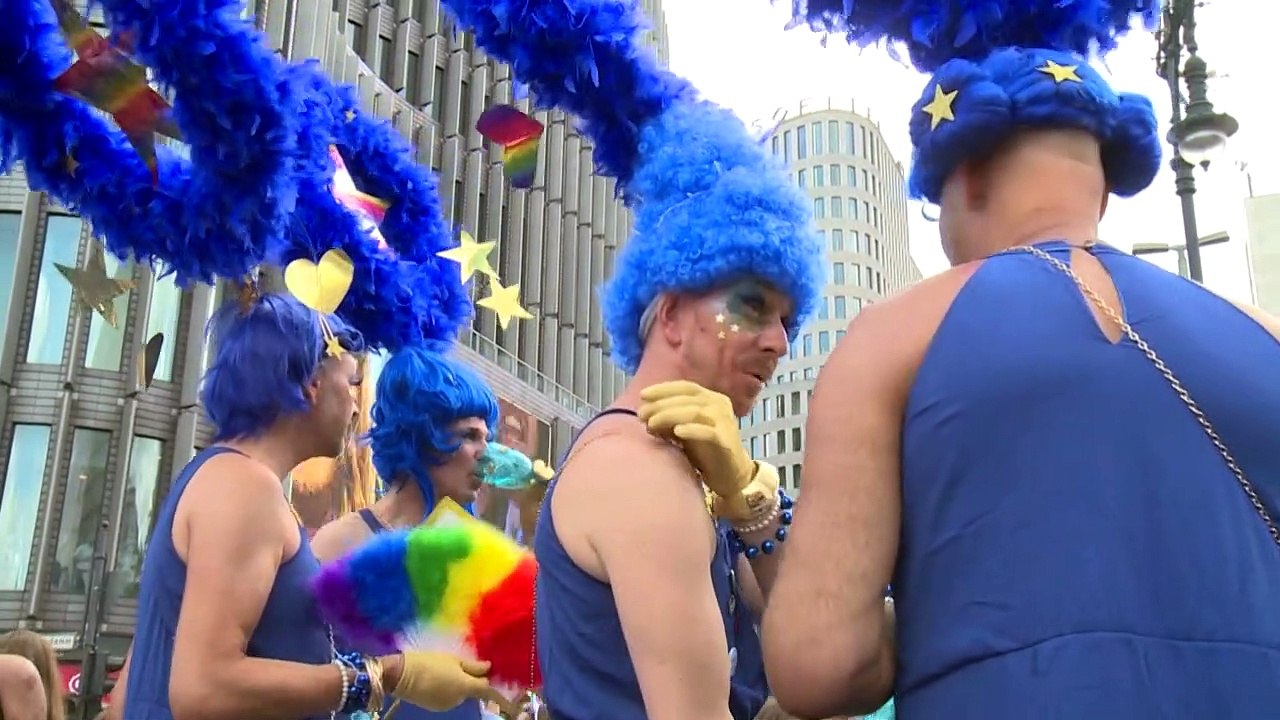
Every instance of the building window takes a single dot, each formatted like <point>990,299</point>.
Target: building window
<point>797,442</point>
<point>357,38</point>
<point>822,310</point>
<point>851,176</point>
<point>866,210</point>
<point>20,504</point>
<point>819,208</point>
<point>166,307</point>
<point>840,307</point>
<point>53,292</point>
<point>824,342</point>
<point>866,178</point>
<point>782,441</point>
<point>864,139</point>
<point>795,408</point>
<point>802,178</point>
<point>786,147</point>
<point>777,143</point>
<point>857,272</point>
<point>848,138</point>
<point>10,225</point>
<point>870,282</point>
<point>816,131</point>
<point>819,176</point>
<point>105,343</point>
<point>437,94</point>
<point>837,273</point>
<point>873,243</point>
<point>835,175</point>
<point>837,240</point>
<point>802,144</point>
<point>795,476</point>
<point>853,208</point>
<point>837,207</point>
<point>833,136</point>
<point>413,79</point>
<point>386,66</point>
<point>808,345</point>
<point>755,447</point>
<point>82,507</point>
<point>139,504</point>
<point>839,336</point>
<point>808,373</point>
<point>780,410</point>
<point>782,476</point>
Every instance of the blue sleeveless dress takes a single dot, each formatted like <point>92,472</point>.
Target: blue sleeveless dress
<point>586,668</point>
<point>289,629</point>
<point>469,710</point>
<point>1072,544</point>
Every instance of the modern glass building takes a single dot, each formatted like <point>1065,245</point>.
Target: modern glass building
<point>839,158</point>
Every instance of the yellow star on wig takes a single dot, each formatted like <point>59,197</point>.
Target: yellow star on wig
<point>471,256</point>
<point>505,301</point>
<point>1060,73</point>
<point>939,108</point>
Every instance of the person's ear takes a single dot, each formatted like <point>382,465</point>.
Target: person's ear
<point>667,317</point>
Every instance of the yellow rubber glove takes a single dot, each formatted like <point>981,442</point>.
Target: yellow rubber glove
<point>704,424</point>
<point>751,502</point>
<point>439,681</point>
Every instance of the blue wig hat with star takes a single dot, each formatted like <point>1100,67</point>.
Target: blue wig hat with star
<point>711,206</point>
<point>1000,66</point>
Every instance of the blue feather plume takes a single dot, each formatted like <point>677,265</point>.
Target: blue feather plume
<point>586,57</point>
<point>211,217</point>
<point>935,31</point>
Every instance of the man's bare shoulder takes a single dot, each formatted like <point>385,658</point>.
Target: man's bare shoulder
<point>231,492</point>
<point>617,450</point>
<point>339,537</point>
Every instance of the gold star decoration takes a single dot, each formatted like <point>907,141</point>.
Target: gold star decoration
<point>1061,73</point>
<point>471,256</point>
<point>939,108</point>
<point>96,290</point>
<point>505,301</point>
<point>350,115</point>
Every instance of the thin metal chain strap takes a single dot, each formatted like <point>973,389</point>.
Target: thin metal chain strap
<point>1174,383</point>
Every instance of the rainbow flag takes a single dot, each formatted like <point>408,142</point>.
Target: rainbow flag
<point>455,584</point>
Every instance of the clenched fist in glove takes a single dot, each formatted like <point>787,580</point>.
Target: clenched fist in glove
<point>439,681</point>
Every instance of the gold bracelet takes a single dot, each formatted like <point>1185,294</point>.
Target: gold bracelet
<point>377,693</point>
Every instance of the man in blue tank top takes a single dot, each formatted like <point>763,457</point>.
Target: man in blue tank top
<point>637,589</point>
<point>1062,456</point>
<point>432,420</point>
<point>226,620</point>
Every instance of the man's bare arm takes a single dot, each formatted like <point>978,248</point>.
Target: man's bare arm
<point>655,541</point>
<point>339,537</point>
<point>837,656</point>
<point>21,690</point>
<point>116,711</point>
<point>235,545</point>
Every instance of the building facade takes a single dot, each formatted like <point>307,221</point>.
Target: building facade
<point>1263,215</point>
<point>87,454</point>
<point>839,158</point>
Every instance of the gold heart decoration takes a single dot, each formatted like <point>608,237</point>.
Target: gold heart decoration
<point>322,285</point>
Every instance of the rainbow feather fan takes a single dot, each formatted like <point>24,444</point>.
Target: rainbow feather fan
<point>455,584</point>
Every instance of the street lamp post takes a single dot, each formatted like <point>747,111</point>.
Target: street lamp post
<point>1202,133</point>
<point>1182,251</point>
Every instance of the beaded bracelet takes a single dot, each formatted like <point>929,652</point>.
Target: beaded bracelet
<point>361,687</point>
<point>346,686</point>
<point>783,514</point>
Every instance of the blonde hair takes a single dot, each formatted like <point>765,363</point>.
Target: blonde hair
<point>35,648</point>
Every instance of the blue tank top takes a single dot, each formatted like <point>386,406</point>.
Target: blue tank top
<point>469,710</point>
<point>1072,544</point>
<point>586,669</point>
<point>289,628</point>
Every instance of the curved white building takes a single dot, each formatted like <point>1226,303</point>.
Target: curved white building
<point>839,158</point>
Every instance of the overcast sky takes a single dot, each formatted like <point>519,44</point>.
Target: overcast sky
<point>759,67</point>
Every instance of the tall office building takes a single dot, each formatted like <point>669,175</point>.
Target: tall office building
<point>79,445</point>
<point>838,157</point>
<point>1263,215</point>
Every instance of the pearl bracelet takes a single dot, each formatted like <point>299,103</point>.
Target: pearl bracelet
<point>782,513</point>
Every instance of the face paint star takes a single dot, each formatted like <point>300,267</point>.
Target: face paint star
<point>939,108</point>
<point>721,335</point>
<point>472,256</point>
<point>720,318</point>
<point>505,301</point>
<point>1061,73</point>
<point>734,327</point>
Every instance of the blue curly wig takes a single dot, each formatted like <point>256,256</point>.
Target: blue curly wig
<point>421,392</point>
<point>711,205</point>
<point>994,62</point>
<point>265,354</point>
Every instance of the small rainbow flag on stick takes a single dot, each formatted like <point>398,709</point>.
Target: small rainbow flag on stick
<point>455,584</point>
<point>519,135</point>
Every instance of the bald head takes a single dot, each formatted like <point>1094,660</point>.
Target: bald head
<point>1038,185</point>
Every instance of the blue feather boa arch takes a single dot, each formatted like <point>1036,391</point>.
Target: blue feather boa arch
<point>257,185</point>
<point>212,215</point>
